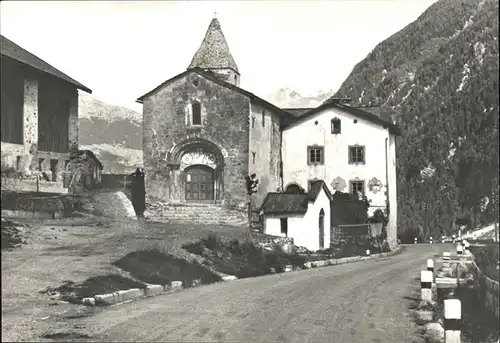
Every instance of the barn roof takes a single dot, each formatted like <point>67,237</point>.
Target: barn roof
<point>13,51</point>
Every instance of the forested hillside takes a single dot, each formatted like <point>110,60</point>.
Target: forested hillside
<point>440,74</point>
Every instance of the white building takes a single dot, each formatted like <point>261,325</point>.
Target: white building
<point>349,148</point>
<point>305,217</point>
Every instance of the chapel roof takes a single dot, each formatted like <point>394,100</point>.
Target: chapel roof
<point>213,52</point>
<point>293,203</point>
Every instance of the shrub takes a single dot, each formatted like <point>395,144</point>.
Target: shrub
<point>487,258</point>
<point>243,259</point>
<point>211,242</point>
<point>348,209</point>
<point>194,248</point>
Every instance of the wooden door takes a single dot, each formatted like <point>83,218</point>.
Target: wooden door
<point>199,183</point>
<point>321,229</point>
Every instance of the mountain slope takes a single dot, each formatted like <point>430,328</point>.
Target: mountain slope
<point>441,75</point>
<point>113,133</point>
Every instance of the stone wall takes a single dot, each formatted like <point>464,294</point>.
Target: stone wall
<point>265,151</point>
<point>167,126</point>
<point>30,115</point>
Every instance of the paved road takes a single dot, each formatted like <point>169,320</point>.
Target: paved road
<point>358,302</point>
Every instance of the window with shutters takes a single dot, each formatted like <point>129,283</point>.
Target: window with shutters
<point>356,154</point>
<point>315,155</point>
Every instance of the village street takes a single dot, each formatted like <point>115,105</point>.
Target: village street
<point>359,302</point>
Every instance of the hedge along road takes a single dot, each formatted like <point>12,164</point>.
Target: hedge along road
<point>357,302</point>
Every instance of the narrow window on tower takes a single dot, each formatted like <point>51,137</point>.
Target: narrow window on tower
<point>263,118</point>
<point>196,113</point>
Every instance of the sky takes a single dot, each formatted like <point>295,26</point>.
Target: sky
<point>123,49</point>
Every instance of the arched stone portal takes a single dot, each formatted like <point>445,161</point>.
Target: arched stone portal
<point>197,171</point>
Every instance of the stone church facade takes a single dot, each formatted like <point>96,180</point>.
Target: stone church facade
<point>202,134</point>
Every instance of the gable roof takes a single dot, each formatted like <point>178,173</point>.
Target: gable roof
<point>297,112</point>
<point>293,203</point>
<point>213,52</point>
<point>355,111</point>
<point>315,189</point>
<point>13,51</point>
<point>212,77</point>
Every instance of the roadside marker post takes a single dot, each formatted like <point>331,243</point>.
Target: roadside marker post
<point>430,265</point>
<point>426,278</point>
<point>452,320</point>
<point>446,259</point>
<point>430,238</point>
<point>466,247</point>
<point>415,240</point>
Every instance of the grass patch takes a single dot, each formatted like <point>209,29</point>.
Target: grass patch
<point>156,267</point>
<point>487,258</point>
<point>242,259</point>
<point>11,236</point>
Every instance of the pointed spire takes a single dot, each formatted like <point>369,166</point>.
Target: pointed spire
<point>213,52</point>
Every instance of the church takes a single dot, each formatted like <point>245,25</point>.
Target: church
<point>203,135</point>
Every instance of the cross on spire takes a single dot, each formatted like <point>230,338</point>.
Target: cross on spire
<point>215,14</point>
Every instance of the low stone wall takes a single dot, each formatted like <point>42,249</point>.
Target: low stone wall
<point>34,205</point>
<point>269,239</point>
<point>20,185</point>
<point>268,242</point>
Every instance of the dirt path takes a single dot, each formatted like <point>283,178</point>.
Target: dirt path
<point>76,249</point>
<point>359,302</point>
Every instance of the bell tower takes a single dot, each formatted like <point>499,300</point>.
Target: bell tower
<point>214,55</point>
